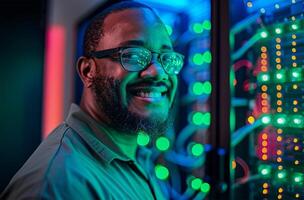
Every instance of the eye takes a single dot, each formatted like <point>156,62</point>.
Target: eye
<point>172,62</point>
<point>172,59</point>
<point>136,56</point>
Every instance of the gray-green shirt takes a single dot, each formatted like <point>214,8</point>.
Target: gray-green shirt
<point>72,163</point>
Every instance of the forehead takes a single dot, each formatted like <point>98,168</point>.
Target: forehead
<point>136,24</point>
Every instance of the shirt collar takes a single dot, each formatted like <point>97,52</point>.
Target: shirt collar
<point>94,134</point>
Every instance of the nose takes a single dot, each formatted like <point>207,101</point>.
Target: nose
<point>155,70</point>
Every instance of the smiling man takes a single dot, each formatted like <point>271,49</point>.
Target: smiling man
<point>129,71</point>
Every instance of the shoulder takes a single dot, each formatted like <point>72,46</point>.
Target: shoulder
<point>58,169</point>
<point>71,176</point>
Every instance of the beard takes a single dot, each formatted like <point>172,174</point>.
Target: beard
<point>108,99</point>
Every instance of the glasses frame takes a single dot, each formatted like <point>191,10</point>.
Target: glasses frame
<point>119,50</point>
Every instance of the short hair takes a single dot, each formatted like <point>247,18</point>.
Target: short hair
<point>95,30</point>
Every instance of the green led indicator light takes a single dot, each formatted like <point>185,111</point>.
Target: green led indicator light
<point>264,34</point>
<point>281,120</point>
<point>207,87</point>
<point>294,26</point>
<point>207,57</point>
<point>207,118</point>
<point>205,187</point>
<point>143,139</point>
<point>199,118</point>
<point>280,76</point>
<point>207,25</point>
<point>161,172</point>
<point>281,174</point>
<point>197,149</point>
<point>169,29</point>
<point>297,121</point>
<point>296,74</point>
<point>266,119</point>
<point>263,77</point>
<point>198,59</point>
<point>162,143</point>
<point>196,183</point>
<point>278,30</point>
<point>198,88</point>
<point>264,170</point>
<point>197,28</point>
<point>298,177</point>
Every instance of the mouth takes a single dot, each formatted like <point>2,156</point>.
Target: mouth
<point>149,93</point>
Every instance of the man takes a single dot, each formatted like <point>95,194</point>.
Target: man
<point>129,73</point>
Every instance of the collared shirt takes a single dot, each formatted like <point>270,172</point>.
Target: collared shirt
<point>78,160</point>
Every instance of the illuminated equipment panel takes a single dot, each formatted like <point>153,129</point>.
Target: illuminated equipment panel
<point>272,166</point>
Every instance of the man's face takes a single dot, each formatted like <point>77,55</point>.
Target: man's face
<point>133,101</point>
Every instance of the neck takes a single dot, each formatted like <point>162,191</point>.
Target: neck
<point>127,142</point>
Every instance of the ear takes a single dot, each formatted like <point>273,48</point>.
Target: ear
<point>86,70</point>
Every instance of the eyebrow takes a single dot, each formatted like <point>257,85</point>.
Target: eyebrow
<point>141,43</point>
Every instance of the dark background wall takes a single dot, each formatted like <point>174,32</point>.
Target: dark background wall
<point>22,29</point>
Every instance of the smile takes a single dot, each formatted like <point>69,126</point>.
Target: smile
<point>150,94</point>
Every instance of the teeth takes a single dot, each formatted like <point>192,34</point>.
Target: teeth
<point>149,94</point>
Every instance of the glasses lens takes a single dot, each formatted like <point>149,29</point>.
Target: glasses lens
<point>135,59</point>
<point>172,62</point>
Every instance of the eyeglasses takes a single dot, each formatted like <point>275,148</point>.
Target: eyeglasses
<point>138,58</point>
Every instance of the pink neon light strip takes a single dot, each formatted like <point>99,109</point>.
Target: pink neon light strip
<point>53,78</point>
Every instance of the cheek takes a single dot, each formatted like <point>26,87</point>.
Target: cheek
<point>113,70</point>
<point>123,90</point>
